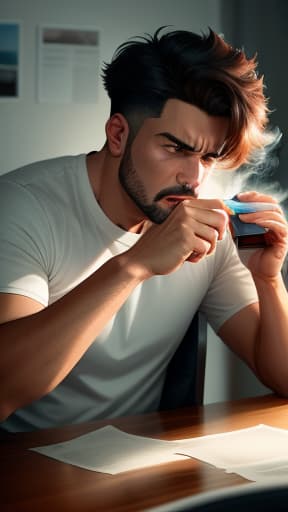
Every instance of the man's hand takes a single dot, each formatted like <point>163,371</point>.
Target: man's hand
<point>266,263</point>
<point>189,233</point>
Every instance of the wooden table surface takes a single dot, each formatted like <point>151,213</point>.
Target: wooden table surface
<point>31,482</point>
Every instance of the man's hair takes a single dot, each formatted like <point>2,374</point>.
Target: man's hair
<point>202,70</point>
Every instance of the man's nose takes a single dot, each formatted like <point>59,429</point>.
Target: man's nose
<point>191,172</point>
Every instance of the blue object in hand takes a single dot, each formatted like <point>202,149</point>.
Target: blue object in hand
<point>237,206</point>
<point>247,235</point>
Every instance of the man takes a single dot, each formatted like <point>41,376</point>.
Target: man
<point>106,257</point>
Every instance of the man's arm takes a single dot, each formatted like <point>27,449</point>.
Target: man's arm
<point>39,347</point>
<point>259,333</point>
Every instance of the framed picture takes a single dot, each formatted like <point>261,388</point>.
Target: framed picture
<point>9,59</point>
<point>68,64</point>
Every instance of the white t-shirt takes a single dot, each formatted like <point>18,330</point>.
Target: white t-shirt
<point>53,235</point>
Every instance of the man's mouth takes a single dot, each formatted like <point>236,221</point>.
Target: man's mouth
<point>173,200</point>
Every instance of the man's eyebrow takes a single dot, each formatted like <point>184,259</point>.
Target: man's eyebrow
<point>187,147</point>
<point>177,141</point>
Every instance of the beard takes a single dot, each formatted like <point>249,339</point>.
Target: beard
<point>135,189</point>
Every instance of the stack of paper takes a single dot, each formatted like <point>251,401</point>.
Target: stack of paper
<point>258,453</point>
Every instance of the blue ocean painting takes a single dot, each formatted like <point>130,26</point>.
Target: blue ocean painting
<point>9,44</point>
<point>9,60</point>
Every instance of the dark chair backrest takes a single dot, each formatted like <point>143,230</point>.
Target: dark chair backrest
<point>184,383</point>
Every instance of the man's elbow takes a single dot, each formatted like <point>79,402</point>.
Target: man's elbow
<point>279,387</point>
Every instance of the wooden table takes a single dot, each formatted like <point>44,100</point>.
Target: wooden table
<point>30,482</point>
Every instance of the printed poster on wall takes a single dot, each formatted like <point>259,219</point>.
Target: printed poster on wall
<point>9,59</point>
<point>68,65</point>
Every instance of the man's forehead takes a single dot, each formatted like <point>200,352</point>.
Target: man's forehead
<point>193,126</point>
<point>189,124</point>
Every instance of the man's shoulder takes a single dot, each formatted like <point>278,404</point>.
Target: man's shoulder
<point>37,188</point>
<point>35,171</point>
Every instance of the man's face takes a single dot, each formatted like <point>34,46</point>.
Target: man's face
<point>171,156</point>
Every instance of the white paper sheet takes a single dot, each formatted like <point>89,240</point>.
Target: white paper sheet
<point>274,470</point>
<point>68,64</point>
<point>109,450</point>
<point>258,453</point>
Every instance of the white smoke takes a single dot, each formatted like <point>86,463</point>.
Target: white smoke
<point>258,175</point>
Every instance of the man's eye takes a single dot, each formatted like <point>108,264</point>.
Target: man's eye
<point>173,148</point>
<point>208,160</point>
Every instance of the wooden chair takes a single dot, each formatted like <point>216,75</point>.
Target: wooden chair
<point>184,383</point>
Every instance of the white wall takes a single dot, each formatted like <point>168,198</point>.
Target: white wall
<point>31,131</point>
<point>226,377</point>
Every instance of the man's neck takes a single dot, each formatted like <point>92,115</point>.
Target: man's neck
<point>113,200</point>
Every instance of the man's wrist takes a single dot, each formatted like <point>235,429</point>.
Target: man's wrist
<point>133,269</point>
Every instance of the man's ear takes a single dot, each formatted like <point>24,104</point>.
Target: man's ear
<point>117,131</point>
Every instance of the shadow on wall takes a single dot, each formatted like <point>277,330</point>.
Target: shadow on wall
<point>260,27</point>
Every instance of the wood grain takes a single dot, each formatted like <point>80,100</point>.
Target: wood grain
<point>32,482</point>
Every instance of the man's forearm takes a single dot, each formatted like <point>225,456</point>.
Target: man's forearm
<point>38,351</point>
<point>271,350</point>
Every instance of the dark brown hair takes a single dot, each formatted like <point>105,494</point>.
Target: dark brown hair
<point>202,70</point>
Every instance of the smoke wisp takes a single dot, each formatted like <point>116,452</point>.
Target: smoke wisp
<point>258,175</point>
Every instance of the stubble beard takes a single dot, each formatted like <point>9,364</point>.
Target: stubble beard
<point>134,188</point>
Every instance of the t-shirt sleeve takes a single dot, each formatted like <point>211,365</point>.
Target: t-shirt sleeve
<point>24,261</point>
<point>231,288</point>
